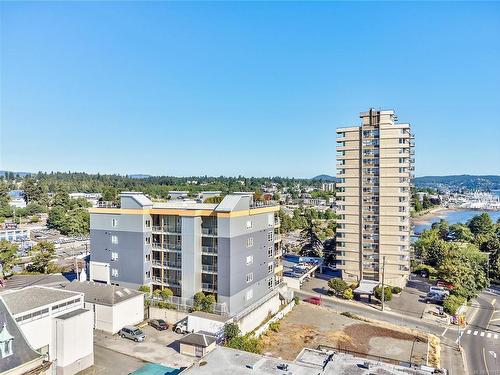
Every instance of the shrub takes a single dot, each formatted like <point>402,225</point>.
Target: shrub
<point>354,285</point>
<point>197,301</point>
<point>349,314</point>
<point>452,303</point>
<point>165,305</point>
<point>246,343</point>
<point>387,293</point>
<point>275,326</point>
<point>396,290</point>
<point>337,285</point>
<point>231,330</point>
<point>296,300</point>
<point>207,303</point>
<point>166,293</point>
<point>348,294</point>
<point>145,289</point>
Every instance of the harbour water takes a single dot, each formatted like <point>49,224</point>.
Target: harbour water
<point>455,216</point>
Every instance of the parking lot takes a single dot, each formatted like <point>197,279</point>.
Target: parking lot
<point>159,347</point>
<point>411,301</point>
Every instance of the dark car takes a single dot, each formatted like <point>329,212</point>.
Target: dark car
<point>434,298</point>
<point>313,300</point>
<point>158,324</point>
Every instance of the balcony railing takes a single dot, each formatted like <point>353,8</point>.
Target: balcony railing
<point>176,229</point>
<point>209,287</point>
<point>209,231</point>
<point>277,237</point>
<point>209,268</point>
<point>165,247</point>
<point>277,222</point>
<point>209,250</point>
<point>165,281</point>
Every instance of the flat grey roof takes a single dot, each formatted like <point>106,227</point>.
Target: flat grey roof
<point>32,297</point>
<point>198,339</point>
<point>186,205</point>
<point>71,314</point>
<point>102,294</point>
<point>226,361</point>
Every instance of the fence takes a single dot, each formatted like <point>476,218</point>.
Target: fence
<point>185,304</point>
<point>279,315</point>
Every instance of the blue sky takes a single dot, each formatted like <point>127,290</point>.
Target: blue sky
<point>243,88</point>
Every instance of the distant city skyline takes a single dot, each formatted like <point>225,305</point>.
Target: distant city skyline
<point>252,89</point>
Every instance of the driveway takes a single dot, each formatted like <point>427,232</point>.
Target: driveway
<point>411,300</point>
<point>159,347</point>
<point>109,362</point>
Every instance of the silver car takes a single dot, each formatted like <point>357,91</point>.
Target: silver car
<point>132,333</point>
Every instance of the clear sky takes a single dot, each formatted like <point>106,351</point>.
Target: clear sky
<point>243,88</point>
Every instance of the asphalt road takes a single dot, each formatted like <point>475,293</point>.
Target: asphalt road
<point>481,346</point>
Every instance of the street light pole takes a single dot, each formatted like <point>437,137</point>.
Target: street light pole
<point>383,279</point>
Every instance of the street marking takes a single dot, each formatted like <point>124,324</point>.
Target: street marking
<point>485,364</point>
<point>495,336</point>
<point>469,331</point>
<point>488,335</point>
<point>493,354</point>
<point>493,301</point>
<point>475,333</point>
<point>482,334</point>
<point>444,332</point>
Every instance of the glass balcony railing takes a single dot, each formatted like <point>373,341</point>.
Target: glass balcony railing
<point>209,250</point>
<point>211,268</point>
<point>209,231</point>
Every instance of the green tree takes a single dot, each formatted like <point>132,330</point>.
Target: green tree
<point>198,301</point>
<point>337,285</point>
<point>481,224</point>
<point>461,233</point>
<point>207,303</point>
<point>442,228</point>
<point>166,293</point>
<point>41,256</point>
<point>7,257</point>
<point>231,330</point>
<point>311,245</point>
<point>452,303</point>
<point>144,289</point>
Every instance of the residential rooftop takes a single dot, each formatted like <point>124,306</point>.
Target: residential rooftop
<point>30,298</point>
<point>102,294</point>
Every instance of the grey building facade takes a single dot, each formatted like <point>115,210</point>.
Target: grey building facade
<point>231,250</point>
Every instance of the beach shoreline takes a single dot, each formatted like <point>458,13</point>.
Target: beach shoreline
<point>431,214</point>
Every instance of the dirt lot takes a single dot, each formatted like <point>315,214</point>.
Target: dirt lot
<point>310,326</point>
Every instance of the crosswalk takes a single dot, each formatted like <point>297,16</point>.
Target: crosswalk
<point>488,335</point>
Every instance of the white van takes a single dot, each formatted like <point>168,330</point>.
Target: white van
<point>439,290</point>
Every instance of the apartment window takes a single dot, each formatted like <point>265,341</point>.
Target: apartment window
<point>249,277</point>
<point>114,255</point>
<point>270,283</point>
<point>114,272</point>
<point>249,294</point>
<point>249,224</point>
<point>250,242</point>
<point>269,236</point>
<point>402,141</point>
<point>114,239</point>
<point>402,170</point>
<point>148,223</point>
<point>148,257</point>
<point>249,259</point>
<point>270,220</point>
<point>114,223</point>
<point>402,160</point>
<point>270,267</point>
<point>270,251</point>
<point>147,275</point>
<point>148,240</point>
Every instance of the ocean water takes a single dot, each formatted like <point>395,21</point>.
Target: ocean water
<point>453,217</point>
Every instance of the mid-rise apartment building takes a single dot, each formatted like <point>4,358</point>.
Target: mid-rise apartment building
<point>231,249</point>
<point>374,179</point>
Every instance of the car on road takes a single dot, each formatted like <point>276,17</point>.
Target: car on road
<point>313,300</point>
<point>158,324</point>
<point>132,333</point>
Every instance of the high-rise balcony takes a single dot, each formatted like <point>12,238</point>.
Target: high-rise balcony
<point>167,229</point>
<point>209,287</point>
<point>209,231</point>
<point>209,268</point>
<point>209,250</point>
<point>277,238</point>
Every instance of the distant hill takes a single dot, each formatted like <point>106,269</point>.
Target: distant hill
<point>139,176</point>
<point>324,177</point>
<point>460,182</point>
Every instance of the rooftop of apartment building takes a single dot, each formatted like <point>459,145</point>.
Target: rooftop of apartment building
<point>226,361</point>
<point>102,294</point>
<point>231,202</point>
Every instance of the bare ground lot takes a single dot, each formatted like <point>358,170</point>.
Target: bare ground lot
<point>311,326</point>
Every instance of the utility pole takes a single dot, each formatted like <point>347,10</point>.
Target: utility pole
<point>383,279</point>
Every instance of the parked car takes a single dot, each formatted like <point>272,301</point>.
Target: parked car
<point>158,324</point>
<point>180,327</point>
<point>439,290</point>
<point>313,300</point>
<point>445,284</point>
<point>434,298</point>
<point>132,333</point>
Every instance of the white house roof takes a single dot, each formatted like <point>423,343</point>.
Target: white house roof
<point>102,294</point>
